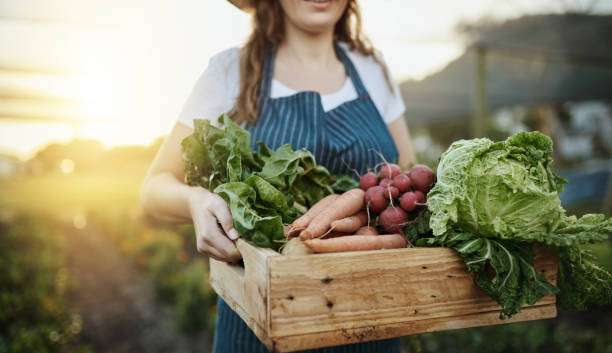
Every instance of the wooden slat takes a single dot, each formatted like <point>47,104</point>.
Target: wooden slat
<point>302,302</point>
<point>318,293</point>
<point>371,333</point>
<point>245,290</point>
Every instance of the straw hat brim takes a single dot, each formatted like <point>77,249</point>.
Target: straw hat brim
<point>244,5</point>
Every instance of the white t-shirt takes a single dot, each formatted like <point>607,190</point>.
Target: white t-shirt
<point>217,88</point>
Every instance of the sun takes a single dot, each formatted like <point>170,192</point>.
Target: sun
<point>109,104</point>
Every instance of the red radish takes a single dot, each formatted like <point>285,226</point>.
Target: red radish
<point>393,219</point>
<point>420,196</point>
<point>402,182</point>
<point>357,243</point>
<point>343,206</point>
<point>385,183</point>
<point>368,180</point>
<point>422,177</point>
<point>389,170</point>
<point>391,192</point>
<point>375,199</point>
<point>409,201</point>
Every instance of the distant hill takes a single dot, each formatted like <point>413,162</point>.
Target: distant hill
<point>530,60</point>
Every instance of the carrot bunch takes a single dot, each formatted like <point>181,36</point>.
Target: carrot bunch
<point>348,222</point>
<point>340,223</point>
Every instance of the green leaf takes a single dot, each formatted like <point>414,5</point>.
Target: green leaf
<point>267,193</point>
<point>260,187</point>
<point>239,197</point>
<point>344,183</point>
<point>583,283</point>
<point>418,227</point>
<point>493,200</point>
<point>504,269</point>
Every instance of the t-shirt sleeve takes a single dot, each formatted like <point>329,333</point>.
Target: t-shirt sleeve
<point>214,92</point>
<point>394,102</point>
<point>395,106</point>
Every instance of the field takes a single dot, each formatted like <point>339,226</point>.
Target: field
<point>119,282</point>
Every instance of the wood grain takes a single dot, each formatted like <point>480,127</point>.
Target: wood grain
<point>301,302</point>
<point>319,293</point>
<point>372,333</point>
<point>245,289</point>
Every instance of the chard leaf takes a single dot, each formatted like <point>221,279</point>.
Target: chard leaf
<point>267,193</point>
<point>344,184</point>
<point>241,197</point>
<point>261,188</point>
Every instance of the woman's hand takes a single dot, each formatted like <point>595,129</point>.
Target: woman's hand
<point>213,224</point>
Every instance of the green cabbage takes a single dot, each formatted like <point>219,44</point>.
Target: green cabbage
<point>493,201</point>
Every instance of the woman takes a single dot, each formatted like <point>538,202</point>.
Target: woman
<point>306,77</point>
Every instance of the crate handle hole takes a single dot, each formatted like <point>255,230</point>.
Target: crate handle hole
<point>238,268</point>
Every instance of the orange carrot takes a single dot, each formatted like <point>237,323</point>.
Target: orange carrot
<point>350,224</point>
<point>345,205</point>
<point>366,231</point>
<point>334,234</point>
<point>356,243</point>
<point>302,222</point>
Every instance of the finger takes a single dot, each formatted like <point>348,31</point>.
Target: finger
<point>209,251</point>
<point>201,223</point>
<point>216,239</point>
<point>224,217</point>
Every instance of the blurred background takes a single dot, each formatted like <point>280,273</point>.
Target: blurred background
<point>89,88</point>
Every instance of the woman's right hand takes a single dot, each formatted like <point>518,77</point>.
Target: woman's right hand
<point>214,228</point>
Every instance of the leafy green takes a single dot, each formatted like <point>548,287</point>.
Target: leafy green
<point>493,201</point>
<point>344,184</point>
<point>418,227</point>
<point>263,188</point>
<point>582,282</point>
<point>499,189</point>
<point>504,269</point>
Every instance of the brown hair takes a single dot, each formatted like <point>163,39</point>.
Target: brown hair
<point>269,31</point>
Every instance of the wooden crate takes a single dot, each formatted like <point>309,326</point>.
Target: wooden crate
<point>302,302</point>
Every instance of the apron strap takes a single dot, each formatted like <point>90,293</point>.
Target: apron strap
<point>351,72</point>
<point>268,71</point>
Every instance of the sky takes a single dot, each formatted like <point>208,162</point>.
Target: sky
<point>120,70</point>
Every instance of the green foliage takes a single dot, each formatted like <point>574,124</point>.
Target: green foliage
<point>344,184</point>
<point>493,200</point>
<point>510,279</point>
<point>583,282</point>
<point>261,188</point>
<point>33,314</point>
<point>195,299</point>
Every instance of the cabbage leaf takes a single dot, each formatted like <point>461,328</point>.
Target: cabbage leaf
<point>493,201</point>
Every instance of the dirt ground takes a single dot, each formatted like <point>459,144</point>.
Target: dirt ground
<point>117,304</point>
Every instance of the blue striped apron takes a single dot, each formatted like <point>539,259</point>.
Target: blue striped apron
<point>352,136</point>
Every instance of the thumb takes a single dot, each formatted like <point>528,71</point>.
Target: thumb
<point>224,217</point>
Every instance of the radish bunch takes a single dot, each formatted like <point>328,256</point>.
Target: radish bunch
<point>392,194</point>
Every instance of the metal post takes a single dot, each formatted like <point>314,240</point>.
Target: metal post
<point>480,114</point>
